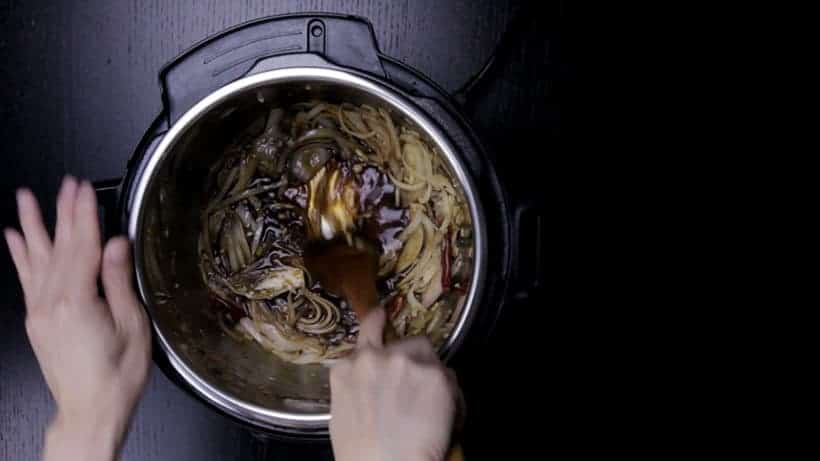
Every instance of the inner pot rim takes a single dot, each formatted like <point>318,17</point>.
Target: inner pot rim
<point>234,406</point>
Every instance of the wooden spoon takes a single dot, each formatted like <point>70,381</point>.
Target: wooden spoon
<point>350,272</point>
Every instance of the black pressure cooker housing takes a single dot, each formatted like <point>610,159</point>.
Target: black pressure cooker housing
<point>340,41</point>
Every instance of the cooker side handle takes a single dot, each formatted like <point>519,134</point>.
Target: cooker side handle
<point>113,194</point>
<point>343,40</point>
<point>108,192</point>
<point>529,250</point>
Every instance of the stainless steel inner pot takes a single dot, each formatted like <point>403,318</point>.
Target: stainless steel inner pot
<point>242,379</point>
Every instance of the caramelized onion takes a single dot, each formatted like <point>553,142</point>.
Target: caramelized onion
<point>318,170</point>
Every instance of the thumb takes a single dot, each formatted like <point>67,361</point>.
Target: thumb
<point>119,289</point>
<point>371,330</point>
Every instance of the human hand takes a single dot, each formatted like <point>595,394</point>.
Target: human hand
<point>396,402</point>
<point>94,354</point>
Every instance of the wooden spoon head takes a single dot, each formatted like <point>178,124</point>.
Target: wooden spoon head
<point>348,271</point>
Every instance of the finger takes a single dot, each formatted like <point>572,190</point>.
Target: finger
<point>86,239</point>
<point>137,356</point>
<point>19,254</point>
<point>119,289</point>
<point>339,373</point>
<point>417,347</point>
<point>371,330</point>
<point>31,221</point>
<point>87,221</point>
<point>66,199</point>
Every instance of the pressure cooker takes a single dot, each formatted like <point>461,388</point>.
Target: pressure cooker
<point>207,93</point>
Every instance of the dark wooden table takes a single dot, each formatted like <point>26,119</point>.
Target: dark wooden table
<point>79,87</point>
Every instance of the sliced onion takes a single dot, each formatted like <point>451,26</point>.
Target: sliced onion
<point>302,329</point>
<point>248,193</point>
<point>244,251</point>
<point>404,185</point>
<point>229,181</point>
<point>426,197</point>
<point>257,236</point>
<point>247,168</point>
<point>434,288</point>
<point>391,132</point>
<point>274,119</point>
<point>356,120</point>
<point>415,222</point>
<point>413,302</point>
<point>323,316</point>
<point>266,283</point>
<point>410,251</point>
<point>437,318</point>
<point>387,262</point>
<point>315,111</point>
<point>230,249</point>
<point>248,327</point>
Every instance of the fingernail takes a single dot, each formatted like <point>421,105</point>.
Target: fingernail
<point>90,192</point>
<point>66,179</point>
<point>22,193</point>
<point>117,249</point>
<point>7,232</point>
<point>64,184</point>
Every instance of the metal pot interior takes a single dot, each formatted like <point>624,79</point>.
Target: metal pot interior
<point>241,378</point>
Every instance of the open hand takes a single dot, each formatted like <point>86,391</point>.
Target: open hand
<point>94,353</point>
<point>394,402</point>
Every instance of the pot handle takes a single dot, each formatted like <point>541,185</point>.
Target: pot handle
<point>263,447</point>
<point>343,40</point>
<point>529,235</point>
<point>108,192</point>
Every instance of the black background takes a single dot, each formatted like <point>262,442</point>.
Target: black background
<point>78,87</point>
